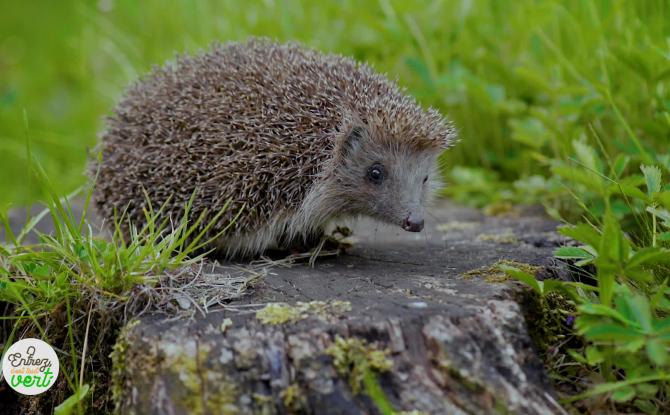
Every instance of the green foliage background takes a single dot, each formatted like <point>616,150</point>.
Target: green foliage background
<point>521,79</point>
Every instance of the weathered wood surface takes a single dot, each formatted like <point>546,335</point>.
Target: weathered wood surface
<point>458,344</point>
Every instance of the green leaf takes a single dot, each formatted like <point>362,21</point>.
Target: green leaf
<point>374,390</point>
<point>640,275</point>
<point>584,262</point>
<point>587,156</point>
<point>657,351</point>
<point>620,164</point>
<point>646,406</point>
<point>552,285</point>
<point>664,159</point>
<point>664,304</point>
<point>613,386</point>
<point>663,198</point>
<point>571,174</point>
<point>606,281</point>
<point>594,356</point>
<point>648,256</point>
<point>571,252</point>
<point>523,276</point>
<point>628,190</point>
<point>529,131</point>
<point>624,394</point>
<point>647,389</point>
<point>632,59</point>
<point>635,180</point>
<point>652,177</point>
<point>580,286</point>
<point>609,332</point>
<point>68,405</point>
<point>639,306</point>
<point>632,346</point>
<point>583,233</point>
<point>578,357</point>
<point>659,295</point>
<point>613,251</point>
<point>603,310</point>
<point>38,271</point>
<point>613,242</point>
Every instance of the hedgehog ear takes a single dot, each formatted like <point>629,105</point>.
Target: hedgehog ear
<point>353,140</point>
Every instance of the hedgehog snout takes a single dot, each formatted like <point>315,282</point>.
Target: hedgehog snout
<point>412,223</point>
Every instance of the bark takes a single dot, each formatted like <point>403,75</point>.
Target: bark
<point>426,333</point>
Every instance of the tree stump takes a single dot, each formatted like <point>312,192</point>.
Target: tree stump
<point>399,324</point>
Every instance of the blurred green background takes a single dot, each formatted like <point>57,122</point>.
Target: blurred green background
<point>525,81</point>
<point>559,102</point>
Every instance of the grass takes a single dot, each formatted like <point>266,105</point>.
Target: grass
<point>77,289</point>
<point>564,103</point>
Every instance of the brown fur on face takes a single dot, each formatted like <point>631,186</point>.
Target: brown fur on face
<point>266,126</point>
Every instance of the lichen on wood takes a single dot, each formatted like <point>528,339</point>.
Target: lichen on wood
<point>494,273</point>
<point>282,313</point>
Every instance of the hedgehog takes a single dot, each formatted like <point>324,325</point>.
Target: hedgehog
<point>285,138</point>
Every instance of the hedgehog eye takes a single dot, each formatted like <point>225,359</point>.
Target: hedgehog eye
<point>376,173</point>
<point>425,179</point>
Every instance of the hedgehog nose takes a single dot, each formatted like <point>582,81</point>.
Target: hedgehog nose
<point>412,224</point>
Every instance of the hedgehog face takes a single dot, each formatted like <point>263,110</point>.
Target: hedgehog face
<point>386,180</point>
